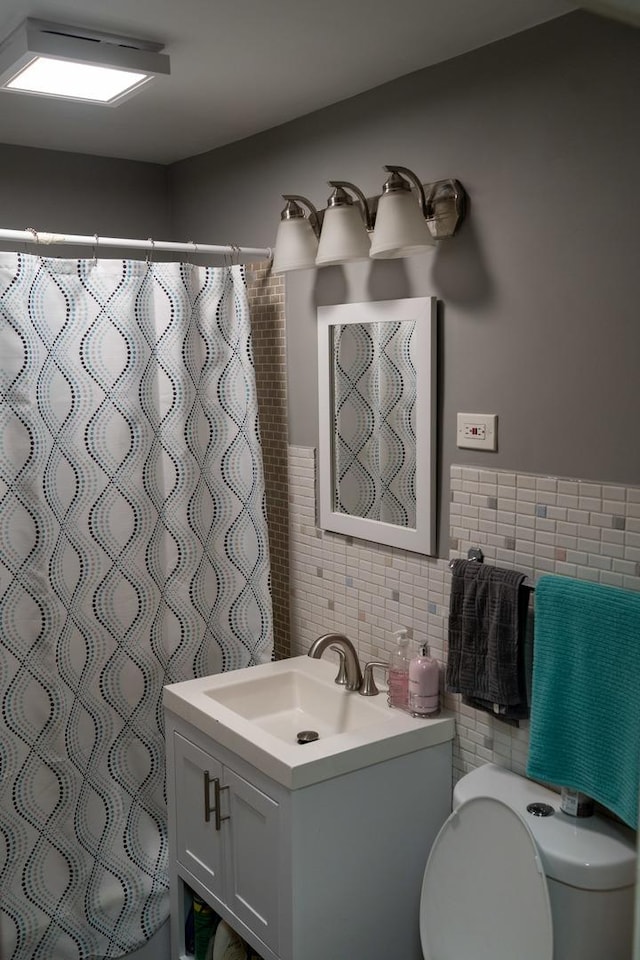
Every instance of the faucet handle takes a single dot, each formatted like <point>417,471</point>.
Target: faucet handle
<point>342,669</point>
<point>369,688</point>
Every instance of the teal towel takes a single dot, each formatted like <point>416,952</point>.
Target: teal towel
<point>585,702</point>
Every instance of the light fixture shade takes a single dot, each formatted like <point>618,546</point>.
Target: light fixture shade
<point>401,229</point>
<point>344,237</point>
<point>296,246</point>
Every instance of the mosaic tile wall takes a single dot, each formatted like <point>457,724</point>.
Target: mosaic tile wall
<point>266,298</point>
<point>534,524</point>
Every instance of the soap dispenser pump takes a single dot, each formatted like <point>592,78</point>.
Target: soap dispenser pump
<point>398,695</point>
<point>424,684</point>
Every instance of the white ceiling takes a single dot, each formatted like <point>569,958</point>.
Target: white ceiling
<point>242,66</point>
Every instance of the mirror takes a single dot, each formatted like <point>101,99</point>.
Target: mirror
<point>374,405</point>
<point>376,464</point>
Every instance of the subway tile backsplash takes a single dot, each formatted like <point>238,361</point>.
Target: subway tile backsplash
<point>543,524</point>
<point>535,524</point>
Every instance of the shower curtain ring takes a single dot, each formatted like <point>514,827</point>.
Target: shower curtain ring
<point>150,252</point>
<point>96,241</point>
<point>34,233</point>
<point>193,244</point>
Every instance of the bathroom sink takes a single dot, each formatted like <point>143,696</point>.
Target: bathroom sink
<point>290,701</point>
<point>257,713</point>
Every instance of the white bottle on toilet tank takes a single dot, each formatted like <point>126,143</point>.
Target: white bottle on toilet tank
<point>424,684</point>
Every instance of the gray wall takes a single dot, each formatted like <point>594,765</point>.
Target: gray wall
<point>71,193</point>
<point>539,320</point>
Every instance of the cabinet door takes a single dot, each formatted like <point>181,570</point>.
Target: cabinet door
<point>251,857</point>
<point>199,843</point>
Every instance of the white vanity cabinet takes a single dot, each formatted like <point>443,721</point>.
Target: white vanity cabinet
<point>227,837</point>
<point>326,871</point>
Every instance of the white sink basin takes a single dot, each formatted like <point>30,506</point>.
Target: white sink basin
<point>257,713</point>
<point>290,701</point>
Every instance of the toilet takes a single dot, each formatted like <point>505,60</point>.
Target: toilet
<point>512,877</point>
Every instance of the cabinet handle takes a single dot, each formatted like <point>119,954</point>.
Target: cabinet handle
<point>208,809</point>
<point>215,809</point>
<point>217,790</point>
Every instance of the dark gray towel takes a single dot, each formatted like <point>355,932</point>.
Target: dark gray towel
<point>487,616</point>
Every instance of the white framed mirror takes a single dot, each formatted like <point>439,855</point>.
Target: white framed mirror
<point>377,419</point>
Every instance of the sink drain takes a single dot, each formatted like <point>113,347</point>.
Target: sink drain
<point>307,736</point>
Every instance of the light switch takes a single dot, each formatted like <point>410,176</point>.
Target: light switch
<point>478,431</point>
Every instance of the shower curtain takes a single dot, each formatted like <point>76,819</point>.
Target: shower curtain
<point>133,553</point>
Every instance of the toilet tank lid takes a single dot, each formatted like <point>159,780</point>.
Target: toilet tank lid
<point>592,853</point>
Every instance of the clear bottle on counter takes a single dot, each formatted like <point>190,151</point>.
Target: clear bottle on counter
<point>398,695</point>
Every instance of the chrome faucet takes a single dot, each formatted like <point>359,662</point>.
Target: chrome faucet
<point>343,645</point>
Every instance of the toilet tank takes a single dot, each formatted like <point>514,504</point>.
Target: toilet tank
<point>590,864</point>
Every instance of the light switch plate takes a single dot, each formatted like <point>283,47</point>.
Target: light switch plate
<point>478,431</point>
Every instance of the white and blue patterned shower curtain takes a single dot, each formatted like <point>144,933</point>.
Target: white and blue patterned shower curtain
<point>133,553</point>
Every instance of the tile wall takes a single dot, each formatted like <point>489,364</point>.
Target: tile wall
<point>266,299</point>
<point>531,523</point>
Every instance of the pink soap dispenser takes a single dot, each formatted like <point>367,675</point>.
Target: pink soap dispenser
<point>424,684</point>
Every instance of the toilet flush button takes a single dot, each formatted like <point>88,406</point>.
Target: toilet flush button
<point>540,809</point>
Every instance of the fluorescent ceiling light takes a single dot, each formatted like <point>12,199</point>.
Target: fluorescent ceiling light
<point>54,60</point>
<point>79,81</point>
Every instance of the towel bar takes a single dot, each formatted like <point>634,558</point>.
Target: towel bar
<point>476,555</point>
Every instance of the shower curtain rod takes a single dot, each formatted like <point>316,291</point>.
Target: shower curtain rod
<point>30,235</point>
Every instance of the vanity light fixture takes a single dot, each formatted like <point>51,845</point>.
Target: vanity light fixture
<point>345,230</point>
<point>408,218</point>
<point>297,238</point>
<point>408,223</point>
<point>401,221</point>
<point>71,63</point>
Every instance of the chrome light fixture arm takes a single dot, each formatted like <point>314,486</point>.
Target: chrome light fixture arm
<point>424,201</point>
<point>293,211</point>
<point>367,213</point>
<point>443,207</point>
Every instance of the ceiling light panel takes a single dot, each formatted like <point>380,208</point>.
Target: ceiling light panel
<point>54,60</point>
<point>76,81</point>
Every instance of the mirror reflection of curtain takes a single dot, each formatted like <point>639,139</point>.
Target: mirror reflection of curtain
<point>374,384</point>
<point>133,553</point>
